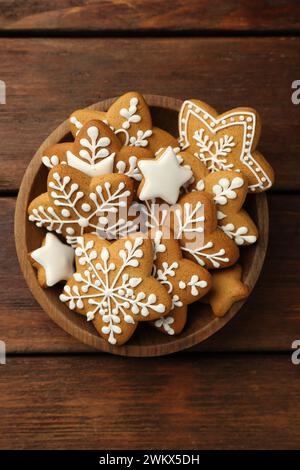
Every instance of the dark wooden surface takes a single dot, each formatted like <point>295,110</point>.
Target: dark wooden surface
<point>154,15</point>
<point>190,402</point>
<point>238,389</point>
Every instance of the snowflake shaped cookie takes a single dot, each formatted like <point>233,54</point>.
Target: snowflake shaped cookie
<point>76,204</point>
<point>129,117</point>
<point>113,286</point>
<point>184,280</point>
<point>225,142</point>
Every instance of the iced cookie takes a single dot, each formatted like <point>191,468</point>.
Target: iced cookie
<point>184,280</point>
<point>162,177</point>
<point>113,286</point>
<point>93,152</point>
<point>228,190</point>
<point>225,142</point>
<point>76,204</point>
<point>54,261</point>
<point>195,226</point>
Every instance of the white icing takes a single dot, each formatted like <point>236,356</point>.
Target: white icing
<point>132,171</point>
<point>109,289</point>
<point>76,123</point>
<point>239,234</point>
<point>96,169</point>
<point>200,254</point>
<point>50,162</point>
<point>189,222</point>
<point>141,138</point>
<point>163,177</point>
<point>221,215</point>
<point>167,271</point>
<point>200,185</point>
<point>130,114</point>
<point>93,149</point>
<point>214,153</point>
<point>224,190</point>
<point>194,283</point>
<point>56,258</point>
<point>165,323</point>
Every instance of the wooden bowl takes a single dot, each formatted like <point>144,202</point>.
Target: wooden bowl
<point>146,341</point>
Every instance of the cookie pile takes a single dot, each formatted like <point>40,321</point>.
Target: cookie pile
<point>147,224</point>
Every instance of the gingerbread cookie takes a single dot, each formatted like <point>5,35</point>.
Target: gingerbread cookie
<point>126,162</point>
<point>225,142</point>
<point>227,288</point>
<point>195,226</point>
<point>129,117</point>
<point>184,280</point>
<point>76,204</point>
<point>54,261</point>
<point>162,177</point>
<point>113,286</point>
<point>56,154</point>
<point>78,119</point>
<point>93,152</point>
<point>229,191</point>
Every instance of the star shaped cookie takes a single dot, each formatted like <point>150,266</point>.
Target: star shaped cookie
<point>227,288</point>
<point>54,261</point>
<point>225,142</point>
<point>162,177</point>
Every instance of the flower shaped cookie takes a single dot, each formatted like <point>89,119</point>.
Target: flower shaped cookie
<point>76,204</point>
<point>113,285</point>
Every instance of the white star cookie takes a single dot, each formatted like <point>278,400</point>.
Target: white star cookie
<point>54,261</point>
<point>163,177</point>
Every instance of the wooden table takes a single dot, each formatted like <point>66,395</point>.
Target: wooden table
<point>239,389</point>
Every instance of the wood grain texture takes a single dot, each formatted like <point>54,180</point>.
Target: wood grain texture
<point>214,402</point>
<point>48,78</point>
<point>269,321</point>
<point>142,15</point>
